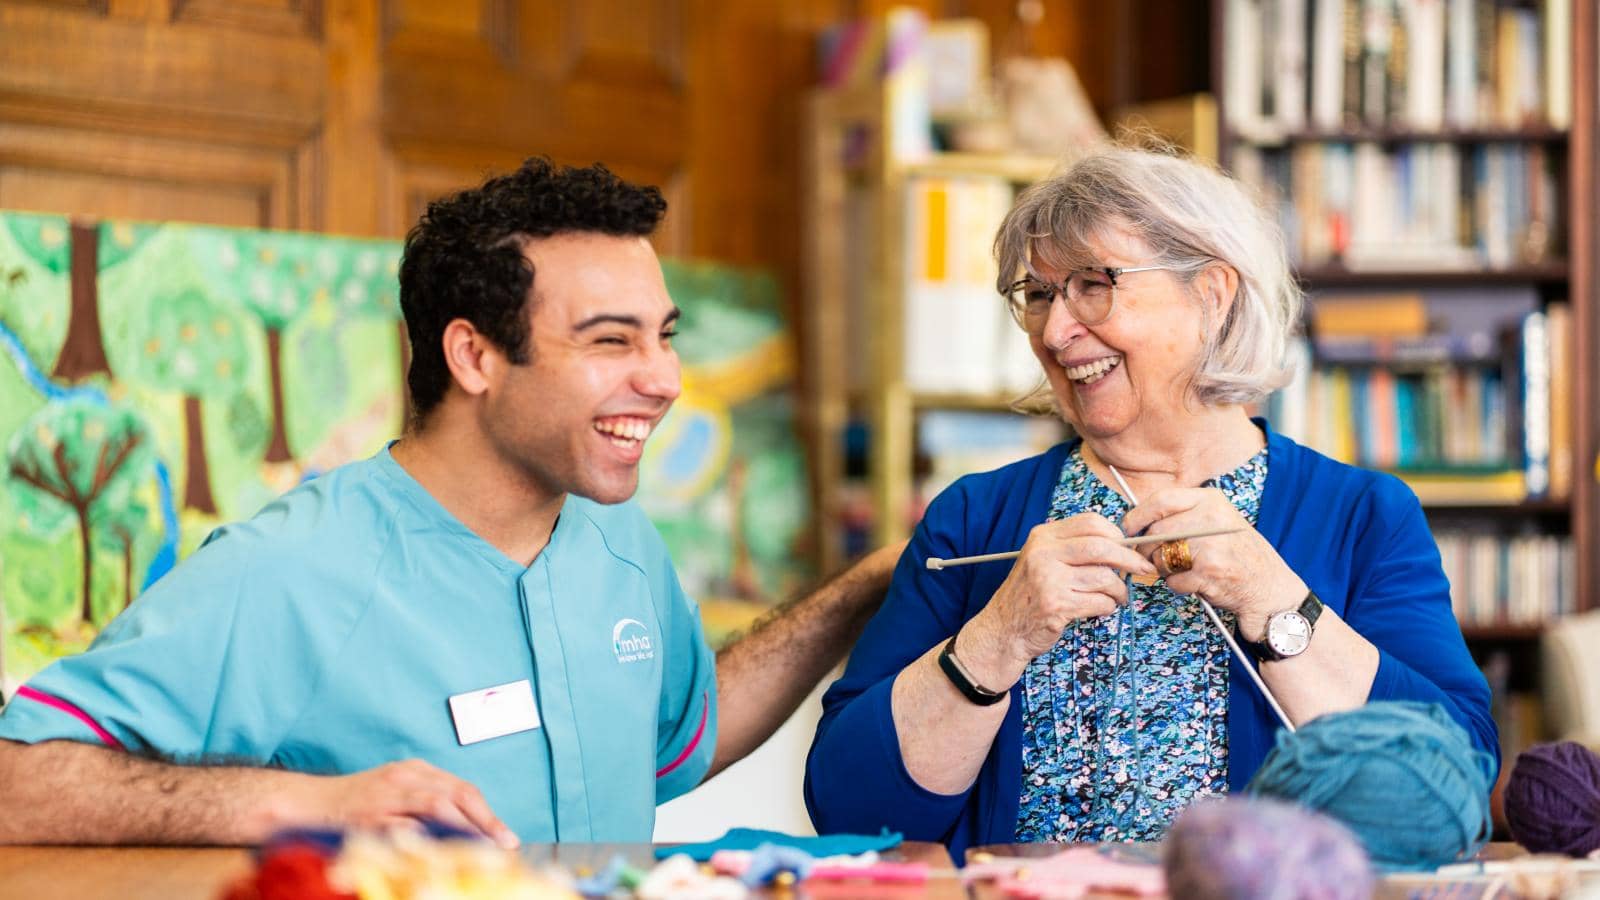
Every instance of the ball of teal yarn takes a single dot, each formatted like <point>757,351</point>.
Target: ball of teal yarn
<point>1261,849</point>
<point>1402,775</point>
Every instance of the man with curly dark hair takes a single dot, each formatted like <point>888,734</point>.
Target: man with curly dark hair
<point>474,625</point>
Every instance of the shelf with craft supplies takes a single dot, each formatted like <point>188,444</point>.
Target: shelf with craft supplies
<point>906,326</point>
<point>1434,167</point>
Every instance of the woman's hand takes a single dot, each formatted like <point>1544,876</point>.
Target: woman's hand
<point>1070,569</point>
<point>1239,571</point>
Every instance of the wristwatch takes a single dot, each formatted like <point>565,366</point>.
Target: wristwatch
<point>963,680</point>
<point>1288,632</point>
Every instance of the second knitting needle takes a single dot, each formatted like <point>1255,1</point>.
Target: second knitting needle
<point>936,564</point>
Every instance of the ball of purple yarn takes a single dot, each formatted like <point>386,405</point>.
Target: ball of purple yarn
<point>1553,799</point>
<point>1260,849</point>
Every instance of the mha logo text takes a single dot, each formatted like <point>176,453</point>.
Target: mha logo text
<point>630,641</point>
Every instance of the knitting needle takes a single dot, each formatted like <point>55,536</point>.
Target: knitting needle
<point>935,563</point>
<point>1222,629</point>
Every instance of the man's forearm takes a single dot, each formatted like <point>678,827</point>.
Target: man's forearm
<point>762,677</point>
<point>62,792</point>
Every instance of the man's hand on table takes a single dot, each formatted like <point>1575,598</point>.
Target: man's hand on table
<point>399,793</point>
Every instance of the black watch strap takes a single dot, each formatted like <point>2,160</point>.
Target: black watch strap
<point>1310,609</point>
<point>962,679</point>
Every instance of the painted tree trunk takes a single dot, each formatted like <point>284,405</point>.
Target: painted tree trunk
<point>127,571</point>
<point>83,353</point>
<point>278,446</point>
<point>88,563</point>
<point>742,575</point>
<point>197,489</point>
<point>405,369</point>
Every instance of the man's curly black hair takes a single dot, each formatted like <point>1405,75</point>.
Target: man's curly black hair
<point>463,260</point>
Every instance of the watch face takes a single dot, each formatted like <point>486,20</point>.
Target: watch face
<point>1289,633</point>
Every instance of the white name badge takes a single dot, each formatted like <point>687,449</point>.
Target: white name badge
<point>494,712</point>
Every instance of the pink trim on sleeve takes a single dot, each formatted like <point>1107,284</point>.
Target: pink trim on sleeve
<point>105,736</point>
<point>705,709</point>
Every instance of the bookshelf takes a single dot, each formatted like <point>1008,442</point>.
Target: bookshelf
<point>1510,100</point>
<point>858,194</point>
<point>1524,98</point>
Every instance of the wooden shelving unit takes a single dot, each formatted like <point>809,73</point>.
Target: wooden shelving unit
<point>1336,276</point>
<point>1571,274</point>
<point>849,152</point>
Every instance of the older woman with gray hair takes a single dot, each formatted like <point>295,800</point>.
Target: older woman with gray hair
<point>1083,692</point>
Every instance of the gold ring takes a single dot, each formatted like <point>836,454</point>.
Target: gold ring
<point>1176,557</point>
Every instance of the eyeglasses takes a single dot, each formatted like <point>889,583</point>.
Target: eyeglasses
<point>1090,295</point>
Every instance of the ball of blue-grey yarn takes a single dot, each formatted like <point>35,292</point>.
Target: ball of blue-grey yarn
<point>1246,848</point>
<point>1402,775</point>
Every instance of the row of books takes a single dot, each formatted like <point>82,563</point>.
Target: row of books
<point>1508,580</point>
<point>1463,418</point>
<point>1421,65</point>
<point>1371,206</point>
<point>1450,417</point>
<point>959,336</point>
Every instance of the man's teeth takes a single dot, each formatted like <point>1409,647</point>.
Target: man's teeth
<point>624,432</point>
<point>1089,373</point>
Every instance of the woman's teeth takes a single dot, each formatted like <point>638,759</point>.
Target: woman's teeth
<point>1089,373</point>
<point>624,432</point>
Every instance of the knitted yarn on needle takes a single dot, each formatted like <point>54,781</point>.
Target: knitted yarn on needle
<point>1403,776</point>
<point>1259,849</point>
<point>1553,799</point>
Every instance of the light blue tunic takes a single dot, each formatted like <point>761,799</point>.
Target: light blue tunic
<point>328,633</point>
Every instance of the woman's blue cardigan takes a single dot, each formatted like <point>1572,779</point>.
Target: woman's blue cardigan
<point>1358,538</point>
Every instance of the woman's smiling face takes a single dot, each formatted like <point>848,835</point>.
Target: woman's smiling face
<point>1139,361</point>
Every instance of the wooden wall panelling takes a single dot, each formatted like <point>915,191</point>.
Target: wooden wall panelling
<point>102,174</point>
<point>627,43</point>
<point>302,17</point>
<point>597,83</point>
<point>208,80</point>
<point>129,114</point>
<point>481,30</point>
<point>356,175</point>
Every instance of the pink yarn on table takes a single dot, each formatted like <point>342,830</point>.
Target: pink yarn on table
<point>1073,872</point>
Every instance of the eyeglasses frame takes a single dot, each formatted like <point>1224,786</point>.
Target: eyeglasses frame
<point>1060,290</point>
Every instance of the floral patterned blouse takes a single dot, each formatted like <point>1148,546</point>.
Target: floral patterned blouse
<point>1125,720</point>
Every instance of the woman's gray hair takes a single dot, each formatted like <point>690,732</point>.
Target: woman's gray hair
<point>1191,215</point>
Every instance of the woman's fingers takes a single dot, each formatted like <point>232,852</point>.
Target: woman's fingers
<point>1164,504</point>
<point>1100,552</point>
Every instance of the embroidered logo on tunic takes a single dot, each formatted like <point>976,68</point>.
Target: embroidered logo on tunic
<point>630,641</point>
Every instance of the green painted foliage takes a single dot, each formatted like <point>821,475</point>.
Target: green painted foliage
<point>725,310</point>
<point>76,452</point>
<point>191,344</point>
<point>35,292</point>
<point>46,239</point>
<point>121,240</point>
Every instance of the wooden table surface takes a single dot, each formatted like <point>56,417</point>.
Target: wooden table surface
<point>183,873</point>
<point>168,873</point>
<point>136,873</point>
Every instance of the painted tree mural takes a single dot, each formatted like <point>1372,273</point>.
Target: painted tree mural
<point>195,346</point>
<point>35,303</point>
<point>279,277</point>
<point>68,458</point>
<point>119,525</point>
<point>70,249</point>
<point>370,289</point>
<point>273,276</point>
<point>220,404</point>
